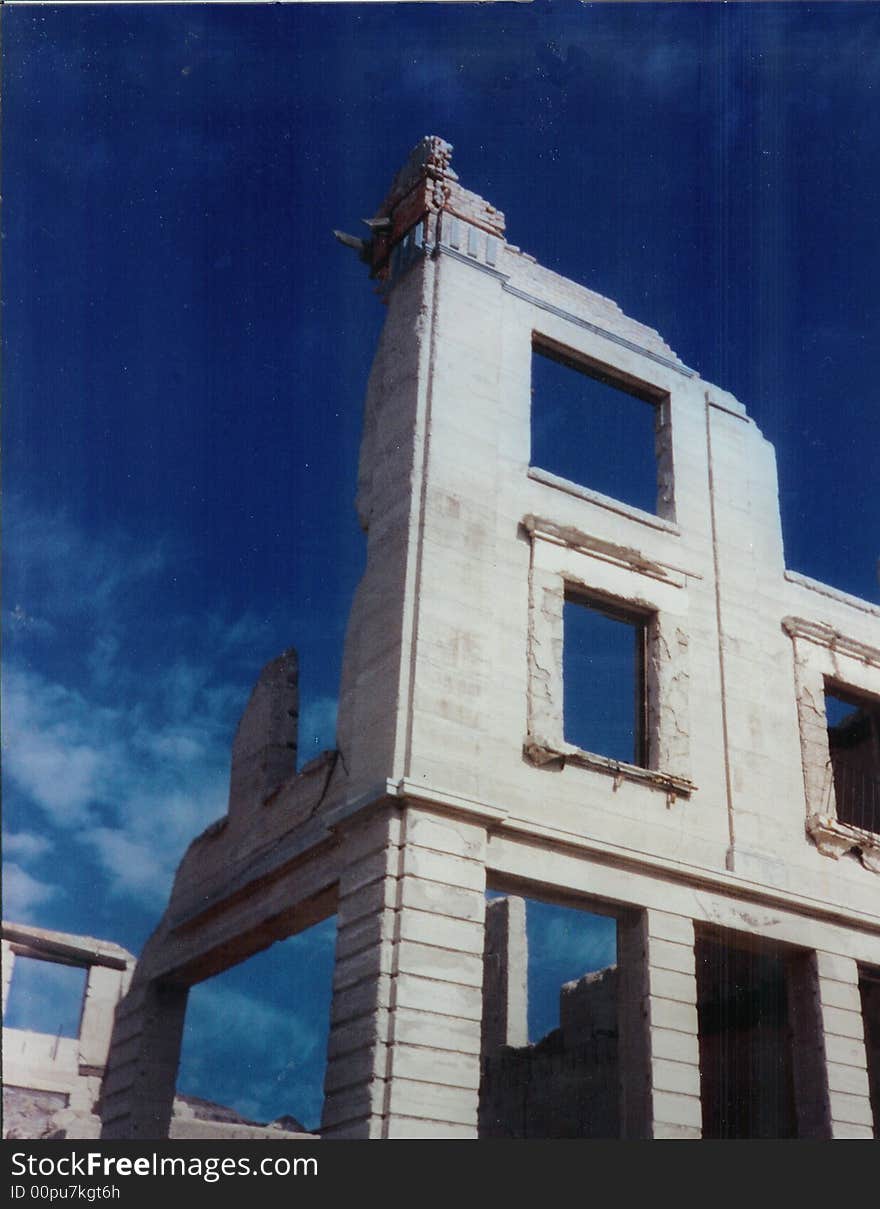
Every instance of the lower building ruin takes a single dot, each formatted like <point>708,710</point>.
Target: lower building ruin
<point>52,1078</point>
<point>714,791</point>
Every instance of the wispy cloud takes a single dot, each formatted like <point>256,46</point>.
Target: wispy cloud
<point>113,740</point>
<point>26,845</point>
<point>22,893</point>
<point>256,1036</point>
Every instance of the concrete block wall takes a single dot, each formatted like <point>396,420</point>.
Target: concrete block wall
<point>659,1047</point>
<point>403,1057</point>
<point>844,1044</point>
<point>137,1094</point>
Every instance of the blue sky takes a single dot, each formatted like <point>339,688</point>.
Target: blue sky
<point>186,351</point>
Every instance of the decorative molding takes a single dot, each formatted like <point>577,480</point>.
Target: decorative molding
<point>836,839</point>
<point>826,636</point>
<point>622,556</point>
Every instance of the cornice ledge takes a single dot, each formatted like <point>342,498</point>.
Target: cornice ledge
<point>826,636</point>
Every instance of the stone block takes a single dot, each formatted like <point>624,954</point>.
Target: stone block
<point>376,834</point>
<point>676,1046</point>
<point>426,927</point>
<point>420,1027</point>
<point>444,834</point>
<point>367,901</point>
<point>433,1102</point>
<point>676,1109</point>
<point>670,955</point>
<point>413,1127</point>
<point>849,1079</point>
<point>367,963</point>
<point>670,984</point>
<point>363,1031</point>
<point>681,1077</point>
<point>441,867</point>
<point>353,1104</point>
<point>845,1050</point>
<point>444,998</point>
<point>370,869</point>
<point>854,1110</point>
<point>664,926</point>
<point>670,1014</point>
<point>444,900</point>
<point>664,1131</point>
<point>364,933</point>
<point>436,1066</point>
<point>443,964</point>
<point>360,1000</point>
<point>361,1066</point>
<point>841,1023</point>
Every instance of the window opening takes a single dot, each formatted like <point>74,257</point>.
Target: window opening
<point>254,1045</point>
<point>549,1044</point>
<point>745,1036</point>
<point>854,748</point>
<point>604,679</point>
<point>46,997</point>
<point>593,429</point>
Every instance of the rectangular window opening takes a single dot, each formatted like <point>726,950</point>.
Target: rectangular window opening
<point>254,1046</point>
<point>594,427</point>
<point>604,679</point>
<point>744,1010</point>
<point>549,1047</point>
<point>854,748</point>
<point>46,997</point>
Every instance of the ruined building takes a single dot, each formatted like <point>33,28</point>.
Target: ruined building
<point>52,1079</point>
<point>735,842</point>
<point>51,1082</point>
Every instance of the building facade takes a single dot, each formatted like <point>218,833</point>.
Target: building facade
<point>735,842</point>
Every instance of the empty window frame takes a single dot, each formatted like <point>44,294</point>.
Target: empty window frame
<point>254,1046</point>
<point>854,750</point>
<point>46,997</point>
<point>593,427</point>
<point>549,1044</point>
<point>604,678</point>
<point>747,1071</point>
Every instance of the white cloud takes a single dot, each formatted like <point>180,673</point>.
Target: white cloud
<point>234,1040</point>
<point>106,742</point>
<point>59,571</point>
<point>23,893</point>
<point>217,1013</point>
<point>58,747</point>
<point>26,844</point>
